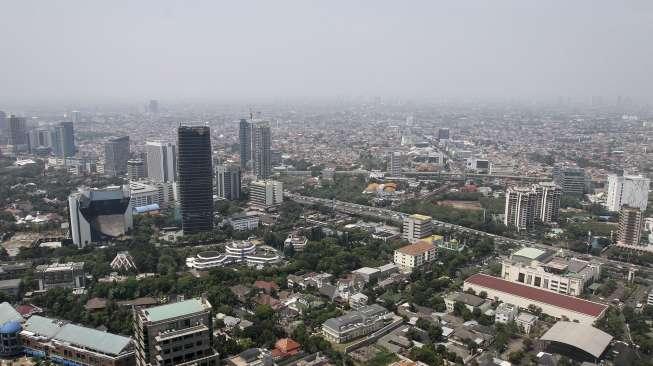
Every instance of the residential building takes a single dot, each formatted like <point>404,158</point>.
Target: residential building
<point>526,205</point>
<point>526,322</point>
<point>296,241</point>
<point>177,334</point>
<point>251,357</point>
<point>394,164</point>
<point>143,194</point>
<point>543,269</point>
<point>228,182</point>
<point>478,165</point>
<point>649,298</point>
<point>414,255</point>
<point>62,140</point>
<point>443,134</point>
<point>136,169</point>
<point>631,222</point>
<point>358,301</point>
<point>10,270</point>
<point>571,179</point>
<point>554,304</point>
<point>116,155</point>
<point>505,313</point>
<point>631,190</point>
<point>70,344</point>
<point>99,214</point>
<point>60,275</point>
<point>355,324</point>
<point>471,302</point>
<point>266,193</point>
<point>161,161</point>
<point>417,227</point>
<point>195,178</point>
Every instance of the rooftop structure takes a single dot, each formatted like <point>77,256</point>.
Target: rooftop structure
<point>583,341</point>
<point>355,324</point>
<point>243,251</point>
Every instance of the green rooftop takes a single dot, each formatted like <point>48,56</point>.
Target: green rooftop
<point>530,253</point>
<point>175,310</point>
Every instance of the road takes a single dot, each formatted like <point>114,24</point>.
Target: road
<point>384,214</point>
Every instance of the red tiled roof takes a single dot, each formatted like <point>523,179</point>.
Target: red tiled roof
<point>562,301</point>
<point>417,248</point>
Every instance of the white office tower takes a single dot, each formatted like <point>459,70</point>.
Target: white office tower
<point>547,206</point>
<point>99,214</point>
<point>162,167</point>
<point>266,193</point>
<point>631,190</point>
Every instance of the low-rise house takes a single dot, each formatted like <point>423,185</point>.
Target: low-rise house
<point>526,322</point>
<point>470,301</point>
<point>355,324</point>
<point>313,279</point>
<point>357,301</point>
<point>505,313</point>
<point>241,292</point>
<point>251,357</point>
<point>285,347</point>
<point>266,286</point>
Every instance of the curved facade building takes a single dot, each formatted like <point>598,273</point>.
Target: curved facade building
<point>195,170</point>
<point>235,252</point>
<point>10,344</point>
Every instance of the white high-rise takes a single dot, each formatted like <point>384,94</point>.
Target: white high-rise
<point>631,190</point>
<point>161,161</point>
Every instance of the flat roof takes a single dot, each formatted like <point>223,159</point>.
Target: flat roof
<point>531,253</point>
<point>420,217</point>
<point>177,309</point>
<point>571,303</point>
<point>585,337</point>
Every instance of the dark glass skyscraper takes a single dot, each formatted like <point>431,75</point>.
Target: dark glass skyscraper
<point>195,170</point>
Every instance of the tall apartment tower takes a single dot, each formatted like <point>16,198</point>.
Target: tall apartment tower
<point>195,170</point>
<point>571,179</point>
<point>520,211</point>
<point>443,134</point>
<point>394,164</point>
<point>417,227</point>
<point>631,190</point>
<point>547,205</point>
<point>630,226</point>
<point>179,334</point>
<point>3,122</point>
<point>116,155</point>
<point>18,134</point>
<point>266,193</point>
<point>245,140</point>
<point>63,140</point>
<point>76,116</point>
<point>161,161</point>
<point>261,144</point>
<point>228,181</point>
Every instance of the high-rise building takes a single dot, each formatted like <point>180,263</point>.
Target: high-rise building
<point>228,182</point>
<point>417,227</point>
<point>631,190</point>
<point>179,333</point>
<point>3,122</point>
<point>245,140</point>
<point>394,164</point>
<point>153,107</point>
<point>520,208</point>
<point>443,134</point>
<point>195,178</point>
<point>116,155</point>
<point>571,179</point>
<point>18,134</point>
<point>255,147</point>
<point>135,169</point>
<point>631,221</point>
<point>266,193</point>
<point>64,140</point>
<point>99,214</point>
<point>261,144</point>
<point>526,205</point>
<point>76,116</point>
<point>547,205</point>
<point>161,161</point>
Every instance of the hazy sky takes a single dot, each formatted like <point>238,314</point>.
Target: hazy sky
<point>235,50</point>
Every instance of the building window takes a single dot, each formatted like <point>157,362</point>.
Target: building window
<point>520,278</point>
<point>538,281</point>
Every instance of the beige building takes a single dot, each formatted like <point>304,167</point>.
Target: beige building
<point>414,255</point>
<point>417,227</point>
<point>539,268</point>
<point>178,333</point>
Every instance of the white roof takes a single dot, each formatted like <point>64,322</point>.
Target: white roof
<point>581,336</point>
